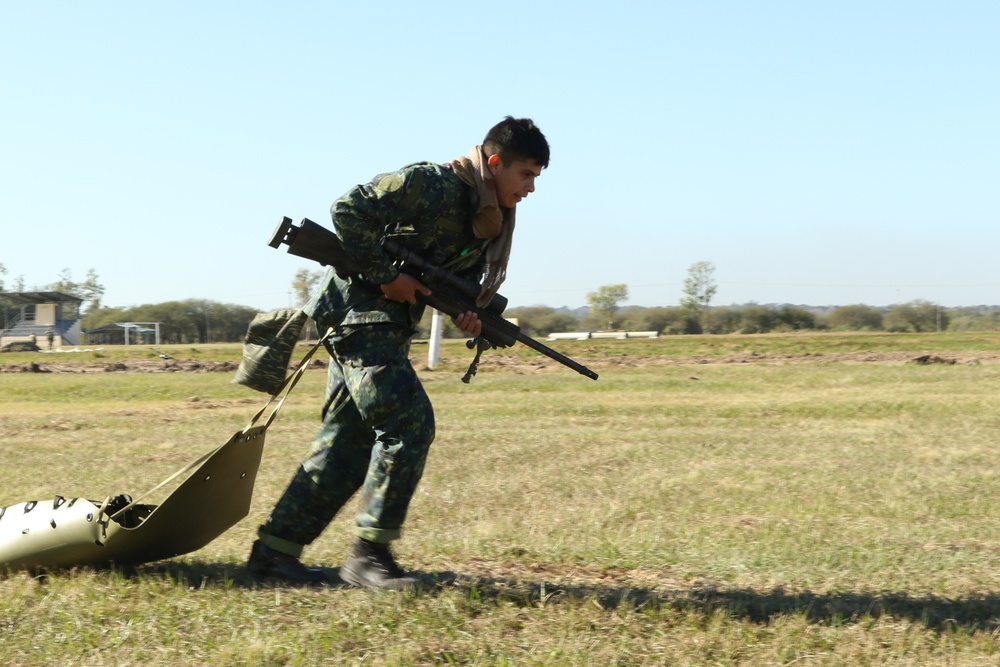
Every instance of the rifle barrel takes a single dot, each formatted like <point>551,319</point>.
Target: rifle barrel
<point>552,354</point>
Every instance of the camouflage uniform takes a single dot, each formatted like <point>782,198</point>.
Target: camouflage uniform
<point>378,422</point>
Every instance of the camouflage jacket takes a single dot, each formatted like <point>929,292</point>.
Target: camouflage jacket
<point>423,206</point>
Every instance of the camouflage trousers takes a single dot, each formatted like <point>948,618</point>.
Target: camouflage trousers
<point>378,425</point>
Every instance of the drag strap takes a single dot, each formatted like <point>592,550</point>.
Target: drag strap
<point>283,391</point>
<point>286,387</point>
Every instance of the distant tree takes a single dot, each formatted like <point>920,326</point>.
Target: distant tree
<point>673,320</point>
<point>605,302</point>
<point>916,316</point>
<point>102,317</point>
<point>304,283</point>
<point>65,283</point>
<point>699,287</point>
<point>200,313</point>
<point>795,319</point>
<point>757,319</point>
<point>190,321</point>
<point>725,321</point>
<point>699,290</point>
<point>631,318</point>
<point>557,321</point>
<point>90,290</point>
<point>974,319</point>
<point>542,320</point>
<point>4,305</point>
<point>857,317</point>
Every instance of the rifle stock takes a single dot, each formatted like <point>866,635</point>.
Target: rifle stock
<point>449,294</point>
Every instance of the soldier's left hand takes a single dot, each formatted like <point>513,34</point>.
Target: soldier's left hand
<point>469,322</point>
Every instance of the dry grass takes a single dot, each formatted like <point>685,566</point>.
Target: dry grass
<point>754,510</point>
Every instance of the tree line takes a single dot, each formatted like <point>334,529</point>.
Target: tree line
<point>916,316</point>
<point>695,314</point>
<point>202,321</point>
<point>187,321</point>
<point>183,322</point>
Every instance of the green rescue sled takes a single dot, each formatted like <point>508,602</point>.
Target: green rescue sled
<point>214,495</point>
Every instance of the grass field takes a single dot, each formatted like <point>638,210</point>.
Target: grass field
<point>731,500</point>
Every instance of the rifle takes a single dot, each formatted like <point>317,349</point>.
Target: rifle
<point>450,294</point>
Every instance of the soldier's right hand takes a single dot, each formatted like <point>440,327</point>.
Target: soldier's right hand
<point>404,288</point>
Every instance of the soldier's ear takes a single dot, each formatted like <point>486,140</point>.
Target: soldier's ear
<point>494,163</point>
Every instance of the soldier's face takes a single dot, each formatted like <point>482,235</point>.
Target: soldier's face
<point>515,181</point>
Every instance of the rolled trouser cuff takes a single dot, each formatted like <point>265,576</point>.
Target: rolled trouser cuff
<point>378,535</point>
<point>278,544</point>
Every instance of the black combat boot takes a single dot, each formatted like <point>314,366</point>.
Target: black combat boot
<point>371,565</point>
<point>268,563</point>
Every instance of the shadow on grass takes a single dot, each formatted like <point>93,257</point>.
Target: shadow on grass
<point>974,612</point>
<point>977,612</point>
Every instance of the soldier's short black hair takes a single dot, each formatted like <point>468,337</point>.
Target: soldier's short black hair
<point>517,139</point>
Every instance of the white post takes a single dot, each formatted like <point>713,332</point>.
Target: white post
<point>434,347</point>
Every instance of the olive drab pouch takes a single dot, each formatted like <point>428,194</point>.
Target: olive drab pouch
<point>268,348</point>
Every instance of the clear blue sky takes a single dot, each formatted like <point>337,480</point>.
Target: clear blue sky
<point>815,153</point>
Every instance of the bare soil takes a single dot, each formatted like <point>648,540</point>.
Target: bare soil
<point>152,366</point>
<point>515,363</point>
<point>500,361</point>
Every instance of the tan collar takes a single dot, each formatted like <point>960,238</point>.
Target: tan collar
<point>491,221</point>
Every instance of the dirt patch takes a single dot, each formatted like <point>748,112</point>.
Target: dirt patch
<point>198,403</point>
<point>512,363</point>
<point>30,367</point>
<point>925,359</point>
<point>20,346</point>
<point>170,366</point>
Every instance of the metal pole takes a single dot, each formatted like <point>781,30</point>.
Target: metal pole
<point>434,347</point>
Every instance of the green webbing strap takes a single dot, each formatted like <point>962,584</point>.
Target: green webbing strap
<point>288,384</point>
<point>285,389</point>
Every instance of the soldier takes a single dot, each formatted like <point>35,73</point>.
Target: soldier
<point>50,336</point>
<point>378,422</point>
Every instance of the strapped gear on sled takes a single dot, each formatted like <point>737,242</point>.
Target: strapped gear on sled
<point>215,495</point>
